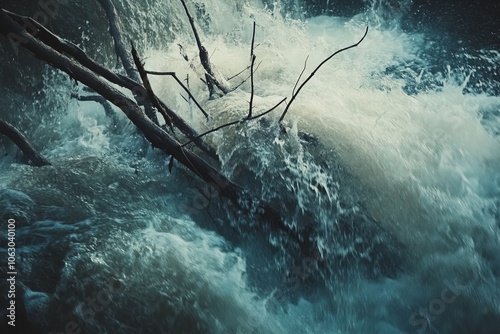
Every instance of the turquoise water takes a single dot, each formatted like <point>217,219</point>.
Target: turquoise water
<point>390,157</point>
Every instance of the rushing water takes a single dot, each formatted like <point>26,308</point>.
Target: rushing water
<point>391,157</point>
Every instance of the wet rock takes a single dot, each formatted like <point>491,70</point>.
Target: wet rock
<point>16,205</point>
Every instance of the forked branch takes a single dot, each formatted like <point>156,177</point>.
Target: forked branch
<point>122,53</point>
<point>172,74</point>
<point>316,70</point>
<point>235,122</point>
<point>115,30</point>
<point>152,96</point>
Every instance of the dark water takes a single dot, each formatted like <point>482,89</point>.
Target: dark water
<point>390,158</point>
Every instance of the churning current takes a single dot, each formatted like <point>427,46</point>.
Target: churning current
<point>389,160</point>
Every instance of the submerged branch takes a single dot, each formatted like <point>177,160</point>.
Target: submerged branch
<point>108,108</point>
<point>24,145</point>
<point>98,99</point>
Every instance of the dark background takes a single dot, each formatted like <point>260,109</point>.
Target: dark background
<point>474,22</point>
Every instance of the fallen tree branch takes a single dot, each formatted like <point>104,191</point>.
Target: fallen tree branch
<point>158,137</point>
<point>108,108</point>
<point>98,99</point>
<point>210,79</point>
<point>316,70</point>
<point>70,49</point>
<point>24,145</point>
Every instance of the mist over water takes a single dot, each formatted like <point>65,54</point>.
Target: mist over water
<point>391,156</point>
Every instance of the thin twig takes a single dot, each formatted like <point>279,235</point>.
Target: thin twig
<point>300,76</point>
<point>268,111</point>
<point>245,80</point>
<point>237,74</point>
<point>316,70</point>
<point>172,74</point>
<point>252,57</point>
<point>235,122</point>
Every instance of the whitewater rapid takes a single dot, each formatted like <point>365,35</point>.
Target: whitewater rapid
<point>377,136</point>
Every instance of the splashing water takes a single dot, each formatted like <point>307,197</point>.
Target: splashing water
<point>393,164</point>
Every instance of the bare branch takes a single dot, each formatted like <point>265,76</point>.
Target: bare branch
<point>172,74</point>
<point>252,63</point>
<point>115,30</point>
<point>316,70</point>
<point>24,145</point>
<point>300,76</point>
<point>245,80</point>
<point>72,50</point>
<point>122,52</point>
<point>75,52</point>
<point>152,96</point>
<point>108,108</point>
<point>236,122</point>
<point>237,74</point>
<point>98,99</point>
<point>210,79</point>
